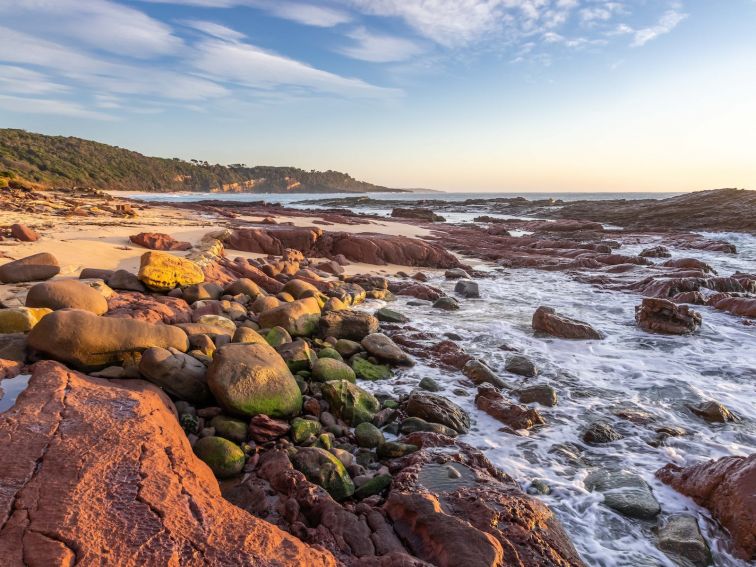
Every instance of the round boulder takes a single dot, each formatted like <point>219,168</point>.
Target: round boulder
<point>223,457</point>
<point>177,373</point>
<point>67,294</point>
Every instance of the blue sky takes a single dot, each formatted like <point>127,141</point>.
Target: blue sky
<point>475,95</point>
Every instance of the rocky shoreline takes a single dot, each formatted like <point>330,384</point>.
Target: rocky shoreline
<point>214,411</point>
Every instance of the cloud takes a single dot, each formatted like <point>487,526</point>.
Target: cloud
<point>28,105</point>
<point>20,80</point>
<point>378,48</point>
<point>215,30</point>
<point>99,24</point>
<point>666,24</point>
<point>252,67</point>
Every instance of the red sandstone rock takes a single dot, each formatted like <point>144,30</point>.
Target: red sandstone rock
<point>9,368</point>
<point>97,472</point>
<point>727,487</point>
<point>516,416</point>
<point>415,289</point>
<point>24,233</point>
<point>159,241</point>
<point>663,316</point>
<point>741,306</point>
<point>546,320</point>
<point>149,308</point>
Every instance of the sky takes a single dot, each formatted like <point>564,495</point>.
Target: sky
<point>456,95</point>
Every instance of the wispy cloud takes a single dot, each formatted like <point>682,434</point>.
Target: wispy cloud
<point>666,24</point>
<point>29,105</point>
<point>378,48</point>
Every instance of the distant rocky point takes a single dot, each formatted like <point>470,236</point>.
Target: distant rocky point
<point>42,161</point>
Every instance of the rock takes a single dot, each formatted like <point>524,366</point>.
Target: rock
<point>223,457</point>
<point>455,274</point>
<point>96,274</point>
<point>329,353</point>
<point>383,348</point>
<point>300,318</point>
<point>479,373</point>
<point>366,370</point>
<point>546,320</point>
<point>277,337</point>
<point>727,487</point>
<point>350,402</point>
<point>322,468</point>
<point>112,480</point>
<point>600,432</point>
<point>85,340</point>
<point>297,288</point>
<point>390,316</point>
<point>347,348</point>
<point>657,315</point>
<point>714,412</point>
<point>395,450</point>
<point>368,435</point>
<point>429,385</point>
<point>263,429</point>
<point>437,409</point>
<point>655,252</point>
<point>538,393</point>
<point>20,319</point>
<point>249,379</point>
<point>229,428</point>
<point>159,241</point>
<point>451,506</point>
<point>298,355</point>
<point>177,373</point>
<point>417,214</point>
<point>679,537</point>
<point>13,347</point>
<point>66,294</point>
<point>375,485</point>
<point>161,271</point>
<point>413,424</point>
<point>327,369</point>
<point>303,430</point>
<point>330,267</point>
<point>33,268</point>
<point>334,304</point>
<point>201,292</point>
<point>521,365</point>
<point>247,335</point>
<point>491,401</point>
<point>9,369</point>
<point>446,304</point>
<point>625,492</point>
<point>244,286</point>
<point>351,325</point>
<point>23,233</point>
<point>149,308</point>
<point>125,280</point>
<point>467,288</point>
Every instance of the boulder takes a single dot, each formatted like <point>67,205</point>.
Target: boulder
<point>679,537</point>
<point>201,292</point>
<point>480,373</point>
<point>304,430</point>
<point>229,428</point>
<point>85,340</point>
<point>124,280</point>
<point>521,365</point>
<point>387,315</point>
<point>655,252</point>
<point>297,354</point>
<point>516,416</point>
<point>67,294</point>
<point>625,492</point>
<point>383,348</point>
<point>263,429</point>
<point>149,308</point>
<point>322,468</point>
<point>33,268</point>
<point>161,271</point>
<point>366,370</point>
<point>249,379</point>
<point>20,319</point>
<point>546,320</point>
<point>327,369</point>
<point>467,288</point>
<point>300,318</point>
<point>368,435</point>
<point>455,274</point>
<point>657,315</point>
<point>351,325</point>
<point>23,233</point>
<point>727,487</point>
<point>446,304</point>
<point>245,286</point>
<point>247,335</point>
<point>350,402</point>
<point>600,432</point>
<point>437,409</point>
<point>714,412</point>
<point>298,287</point>
<point>223,457</point>
<point>112,480</point>
<point>177,373</point>
<point>159,241</point>
<point>538,393</point>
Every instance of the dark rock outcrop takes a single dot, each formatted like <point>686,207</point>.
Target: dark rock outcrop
<point>547,320</point>
<point>657,315</point>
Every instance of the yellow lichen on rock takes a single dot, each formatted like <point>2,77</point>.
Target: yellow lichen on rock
<point>21,319</point>
<point>161,271</point>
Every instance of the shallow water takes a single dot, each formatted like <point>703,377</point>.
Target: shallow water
<point>11,389</point>
<point>628,369</point>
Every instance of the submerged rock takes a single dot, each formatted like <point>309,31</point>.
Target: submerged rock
<point>521,365</point>
<point>679,537</point>
<point>600,432</point>
<point>714,412</point>
<point>516,416</point>
<point>657,315</point>
<point>625,492</point>
<point>547,320</point>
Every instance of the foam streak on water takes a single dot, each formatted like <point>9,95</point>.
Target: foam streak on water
<point>628,369</point>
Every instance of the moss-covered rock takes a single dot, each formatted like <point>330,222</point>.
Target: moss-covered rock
<point>350,402</point>
<point>390,316</point>
<point>368,435</point>
<point>250,379</point>
<point>375,485</point>
<point>229,428</point>
<point>394,450</point>
<point>327,369</point>
<point>324,469</point>
<point>347,348</point>
<point>300,318</point>
<point>303,429</point>
<point>277,336</point>
<point>329,352</point>
<point>366,370</point>
<point>298,355</point>
<point>223,457</point>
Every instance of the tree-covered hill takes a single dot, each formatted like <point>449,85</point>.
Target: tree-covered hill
<point>58,161</point>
